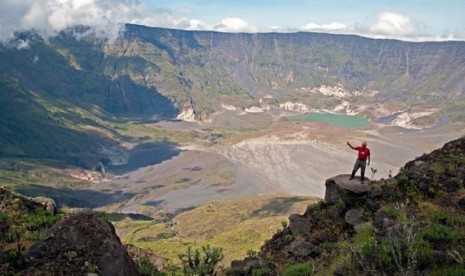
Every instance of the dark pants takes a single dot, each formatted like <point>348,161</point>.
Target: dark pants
<point>359,164</point>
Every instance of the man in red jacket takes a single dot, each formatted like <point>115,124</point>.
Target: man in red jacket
<point>363,157</point>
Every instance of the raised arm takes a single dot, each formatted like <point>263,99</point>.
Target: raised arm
<point>350,145</point>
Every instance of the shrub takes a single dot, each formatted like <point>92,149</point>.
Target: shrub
<point>446,218</point>
<point>389,254</point>
<point>5,219</point>
<point>424,252</point>
<point>440,233</point>
<point>195,263</point>
<point>145,266</point>
<point>456,270</point>
<point>260,272</point>
<point>300,269</point>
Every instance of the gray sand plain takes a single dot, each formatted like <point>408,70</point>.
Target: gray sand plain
<point>294,158</point>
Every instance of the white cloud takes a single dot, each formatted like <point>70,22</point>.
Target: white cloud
<point>335,26</point>
<point>235,25</point>
<point>105,17</point>
<point>392,24</point>
<point>22,44</point>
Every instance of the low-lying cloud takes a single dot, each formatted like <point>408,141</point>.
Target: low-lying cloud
<point>107,18</point>
<point>388,25</point>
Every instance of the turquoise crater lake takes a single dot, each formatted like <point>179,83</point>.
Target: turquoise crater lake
<point>340,120</point>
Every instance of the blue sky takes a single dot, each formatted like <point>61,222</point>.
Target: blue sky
<point>411,20</point>
<point>427,18</point>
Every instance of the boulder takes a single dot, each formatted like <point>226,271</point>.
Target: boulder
<point>342,188</point>
<point>300,248</point>
<point>80,244</point>
<point>299,225</point>
<point>363,226</point>
<point>354,217</point>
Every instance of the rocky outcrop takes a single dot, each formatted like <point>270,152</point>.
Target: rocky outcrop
<point>7,197</point>
<point>48,203</point>
<point>341,188</point>
<point>299,225</point>
<point>138,253</point>
<point>80,244</point>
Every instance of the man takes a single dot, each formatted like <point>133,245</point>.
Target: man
<point>363,156</point>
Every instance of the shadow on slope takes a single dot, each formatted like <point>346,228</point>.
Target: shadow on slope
<point>146,155</point>
<point>277,206</point>
<point>28,129</point>
<point>73,198</point>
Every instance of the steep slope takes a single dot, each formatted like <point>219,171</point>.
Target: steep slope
<point>291,66</point>
<point>203,70</point>
<point>57,104</point>
<point>408,224</point>
<point>73,84</point>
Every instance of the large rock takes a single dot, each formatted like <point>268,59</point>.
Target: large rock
<point>342,188</point>
<point>300,248</point>
<point>80,244</point>
<point>354,217</point>
<point>299,225</point>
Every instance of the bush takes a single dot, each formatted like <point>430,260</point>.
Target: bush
<point>300,269</point>
<point>440,233</point>
<point>5,219</point>
<point>260,272</point>
<point>450,271</point>
<point>145,266</point>
<point>195,263</point>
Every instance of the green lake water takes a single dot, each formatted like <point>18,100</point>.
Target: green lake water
<point>345,121</point>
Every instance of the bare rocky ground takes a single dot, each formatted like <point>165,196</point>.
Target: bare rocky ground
<point>284,156</point>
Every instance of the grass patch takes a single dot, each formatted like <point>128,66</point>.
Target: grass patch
<point>238,226</point>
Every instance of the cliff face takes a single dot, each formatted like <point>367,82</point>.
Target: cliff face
<point>67,86</point>
<point>408,224</point>
<point>146,66</point>
<point>320,70</point>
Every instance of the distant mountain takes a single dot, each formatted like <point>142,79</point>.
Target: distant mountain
<point>71,83</point>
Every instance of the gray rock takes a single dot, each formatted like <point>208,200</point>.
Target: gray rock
<point>380,217</point>
<point>300,248</point>
<point>316,251</point>
<point>354,217</point>
<point>299,225</point>
<point>238,265</point>
<point>78,239</point>
<point>252,262</point>
<point>341,188</point>
<point>366,225</point>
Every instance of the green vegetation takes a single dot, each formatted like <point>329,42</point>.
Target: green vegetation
<point>145,266</point>
<point>21,225</point>
<point>197,263</point>
<point>302,269</point>
<point>238,226</point>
